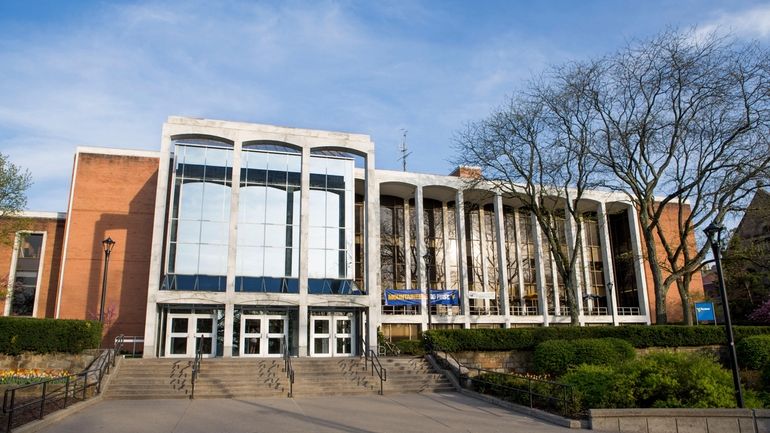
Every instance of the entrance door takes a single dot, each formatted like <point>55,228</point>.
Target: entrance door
<point>263,335</point>
<point>332,335</point>
<point>183,332</point>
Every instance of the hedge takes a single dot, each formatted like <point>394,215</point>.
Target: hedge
<point>640,336</point>
<point>555,357</point>
<point>23,334</point>
<point>754,352</point>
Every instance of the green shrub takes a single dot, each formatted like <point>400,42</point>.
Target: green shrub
<point>658,380</point>
<point>411,347</point>
<point>555,357</point>
<point>599,386</point>
<point>23,334</point>
<point>754,352</point>
<point>640,336</point>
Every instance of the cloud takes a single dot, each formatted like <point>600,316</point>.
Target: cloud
<point>110,77</point>
<point>751,23</point>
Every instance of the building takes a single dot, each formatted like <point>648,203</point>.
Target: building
<point>250,237</point>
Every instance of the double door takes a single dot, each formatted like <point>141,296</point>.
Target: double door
<point>332,335</point>
<point>263,335</point>
<point>186,332</point>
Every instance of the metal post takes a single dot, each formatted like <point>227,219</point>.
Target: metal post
<point>712,230</point>
<point>108,244</point>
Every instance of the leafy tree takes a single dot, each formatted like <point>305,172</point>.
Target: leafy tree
<point>14,182</point>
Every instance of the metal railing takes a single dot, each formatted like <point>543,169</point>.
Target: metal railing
<point>404,310</point>
<point>524,390</point>
<point>492,310</point>
<point>287,366</point>
<point>133,340</point>
<point>519,310</point>
<point>33,401</point>
<point>370,356</point>
<point>196,367</point>
<point>629,311</point>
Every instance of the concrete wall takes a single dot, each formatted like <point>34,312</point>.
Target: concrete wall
<point>113,194</point>
<point>679,420</point>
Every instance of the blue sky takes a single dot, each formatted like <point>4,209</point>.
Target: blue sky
<point>98,73</point>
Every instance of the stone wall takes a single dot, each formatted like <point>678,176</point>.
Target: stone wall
<point>74,363</point>
<point>680,420</point>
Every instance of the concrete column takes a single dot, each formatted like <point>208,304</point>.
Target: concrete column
<point>609,271</point>
<point>520,275</point>
<point>304,253</point>
<point>151,345</point>
<point>639,270</point>
<point>232,248</point>
<point>372,253</point>
<point>502,260</point>
<point>421,250</point>
<point>542,256</point>
<point>461,249</point>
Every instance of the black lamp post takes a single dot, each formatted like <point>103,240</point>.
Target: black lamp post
<point>714,233</point>
<point>427,257</point>
<point>107,244</point>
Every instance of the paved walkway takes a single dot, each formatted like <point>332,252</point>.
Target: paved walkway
<point>421,413</point>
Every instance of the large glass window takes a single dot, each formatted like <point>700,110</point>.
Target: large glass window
<point>528,262</point>
<point>200,218</point>
<point>28,254</point>
<point>330,241</point>
<point>595,300</point>
<point>451,247</point>
<point>393,252</point>
<point>481,259</point>
<point>267,257</point>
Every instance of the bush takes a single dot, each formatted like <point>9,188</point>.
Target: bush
<point>411,347</point>
<point>754,352</point>
<point>659,380</point>
<point>640,336</point>
<point>555,357</point>
<point>22,334</point>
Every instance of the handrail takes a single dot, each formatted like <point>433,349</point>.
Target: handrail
<point>66,388</point>
<point>371,356</point>
<point>196,364</point>
<point>564,399</point>
<point>287,366</point>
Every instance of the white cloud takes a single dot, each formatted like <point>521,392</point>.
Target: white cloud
<point>752,23</point>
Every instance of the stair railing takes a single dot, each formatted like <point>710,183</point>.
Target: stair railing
<point>287,366</point>
<point>196,366</point>
<point>371,357</point>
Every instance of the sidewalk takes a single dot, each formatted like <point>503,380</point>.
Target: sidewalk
<point>421,413</point>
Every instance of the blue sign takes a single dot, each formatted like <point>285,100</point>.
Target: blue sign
<point>413,297</point>
<point>704,312</point>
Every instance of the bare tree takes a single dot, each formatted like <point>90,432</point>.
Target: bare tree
<point>536,149</point>
<point>684,128</point>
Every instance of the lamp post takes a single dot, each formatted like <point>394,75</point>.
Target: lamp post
<point>107,244</point>
<point>714,233</point>
<point>427,257</point>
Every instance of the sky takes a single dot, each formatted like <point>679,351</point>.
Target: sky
<point>109,73</point>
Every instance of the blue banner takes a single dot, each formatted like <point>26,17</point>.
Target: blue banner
<point>704,312</point>
<point>413,297</point>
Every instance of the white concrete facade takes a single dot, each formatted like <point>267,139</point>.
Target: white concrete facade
<point>510,305</point>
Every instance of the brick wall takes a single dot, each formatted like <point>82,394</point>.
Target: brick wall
<point>114,195</point>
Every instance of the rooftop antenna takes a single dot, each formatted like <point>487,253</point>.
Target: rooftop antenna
<point>402,148</point>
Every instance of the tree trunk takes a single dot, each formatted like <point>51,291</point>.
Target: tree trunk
<point>683,285</point>
<point>661,318</point>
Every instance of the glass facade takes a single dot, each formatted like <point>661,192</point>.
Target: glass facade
<point>267,257</point>
<point>200,217</point>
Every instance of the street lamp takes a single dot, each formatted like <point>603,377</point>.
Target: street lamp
<point>714,233</point>
<point>107,244</point>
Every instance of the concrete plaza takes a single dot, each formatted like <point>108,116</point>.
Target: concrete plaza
<point>451,412</point>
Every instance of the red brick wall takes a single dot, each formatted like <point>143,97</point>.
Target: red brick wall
<point>49,279</point>
<point>673,301</point>
<point>114,195</point>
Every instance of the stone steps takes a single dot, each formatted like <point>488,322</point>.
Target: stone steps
<point>252,378</point>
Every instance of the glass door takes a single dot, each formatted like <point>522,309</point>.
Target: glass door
<point>343,336</point>
<point>263,335</point>
<point>320,336</point>
<point>183,330</point>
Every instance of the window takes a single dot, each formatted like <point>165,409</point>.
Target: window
<point>25,276</point>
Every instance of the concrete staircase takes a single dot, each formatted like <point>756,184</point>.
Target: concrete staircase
<point>254,378</point>
<point>218,378</point>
